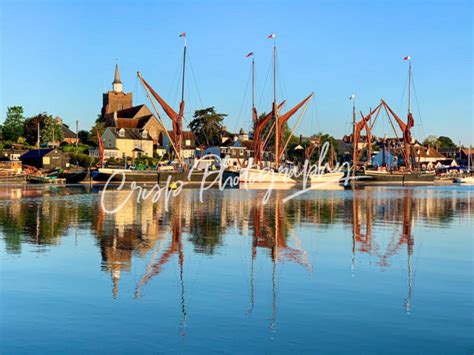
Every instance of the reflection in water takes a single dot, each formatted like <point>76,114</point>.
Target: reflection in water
<point>381,221</point>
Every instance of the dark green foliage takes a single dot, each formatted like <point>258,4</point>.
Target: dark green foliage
<point>207,126</point>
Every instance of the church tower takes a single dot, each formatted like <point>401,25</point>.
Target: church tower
<point>116,99</point>
<point>117,84</point>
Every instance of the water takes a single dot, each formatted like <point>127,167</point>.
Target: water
<point>372,270</point>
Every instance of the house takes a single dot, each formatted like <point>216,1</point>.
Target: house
<point>428,157</point>
<point>127,142</point>
<point>237,147</point>
<point>188,140</point>
<point>69,136</point>
<point>46,159</point>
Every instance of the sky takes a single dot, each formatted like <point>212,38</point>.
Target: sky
<point>59,57</point>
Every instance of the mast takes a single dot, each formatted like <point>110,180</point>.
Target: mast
<point>354,143</point>
<point>275,108</point>
<point>409,85</point>
<point>184,67</point>
<point>253,85</point>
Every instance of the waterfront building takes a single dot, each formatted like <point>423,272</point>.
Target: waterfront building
<point>127,142</point>
<point>188,149</point>
<point>47,159</point>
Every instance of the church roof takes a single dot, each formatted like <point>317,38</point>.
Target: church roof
<point>117,76</point>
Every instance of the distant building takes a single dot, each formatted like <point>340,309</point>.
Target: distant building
<point>128,142</point>
<point>118,111</point>
<point>46,159</point>
<point>188,148</point>
<point>69,136</point>
<point>116,99</point>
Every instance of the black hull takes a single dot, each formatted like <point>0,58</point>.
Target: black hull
<point>161,178</point>
<point>74,177</point>
<point>397,178</point>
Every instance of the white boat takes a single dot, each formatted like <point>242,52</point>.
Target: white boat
<point>327,180</point>
<point>469,180</point>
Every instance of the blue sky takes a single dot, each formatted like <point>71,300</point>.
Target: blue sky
<point>59,57</point>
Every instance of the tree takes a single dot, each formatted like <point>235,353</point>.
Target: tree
<point>207,126</point>
<point>84,136</point>
<point>445,142</point>
<point>98,127</point>
<point>30,127</point>
<point>12,128</point>
<point>431,140</point>
<point>51,132</point>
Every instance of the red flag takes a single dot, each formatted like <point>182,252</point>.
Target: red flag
<point>249,55</point>
<point>407,58</point>
<point>272,36</point>
<point>101,146</point>
<point>183,34</point>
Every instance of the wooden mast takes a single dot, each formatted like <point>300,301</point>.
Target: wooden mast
<point>354,143</point>
<point>275,108</point>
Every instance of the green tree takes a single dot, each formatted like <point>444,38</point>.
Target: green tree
<point>445,142</point>
<point>13,126</point>
<point>51,132</point>
<point>30,127</point>
<point>207,126</point>
<point>100,127</point>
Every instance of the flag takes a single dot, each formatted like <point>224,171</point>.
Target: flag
<point>272,36</point>
<point>407,58</point>
<point>182,34</point>
<point>249,55</point>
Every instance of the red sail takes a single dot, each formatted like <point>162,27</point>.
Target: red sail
<point>176,118</point>
<point>101,147</point>
<point>284,118</point>
<point>257,134</point>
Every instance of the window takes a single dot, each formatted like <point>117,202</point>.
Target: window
<point>188,142</point>
<point>145,133</point>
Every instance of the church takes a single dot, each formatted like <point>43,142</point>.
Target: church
<point>118,112</point>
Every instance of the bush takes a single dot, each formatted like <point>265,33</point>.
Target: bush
<point>81,159</point>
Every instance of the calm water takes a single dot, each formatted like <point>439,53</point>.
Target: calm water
<point>372,270</point>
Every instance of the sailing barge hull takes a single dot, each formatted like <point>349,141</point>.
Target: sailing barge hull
<point>398,178</point>
<point>155,177</point>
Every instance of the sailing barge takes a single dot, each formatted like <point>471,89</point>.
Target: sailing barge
<point>409,172</point>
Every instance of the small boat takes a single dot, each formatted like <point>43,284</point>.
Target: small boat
<point>12,178</point>
<point>50,180</point>
<point>74,176</point>
<point>468,180</point>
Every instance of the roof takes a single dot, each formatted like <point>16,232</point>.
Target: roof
<point>429,152</point>
<point>36,153</point>
<point>130,133</point>
<point>67,133</point>
<point>117,76</point>
<point>129,112</point>
<point>132,122</point>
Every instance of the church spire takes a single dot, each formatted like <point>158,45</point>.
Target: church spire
<point>117,84</point>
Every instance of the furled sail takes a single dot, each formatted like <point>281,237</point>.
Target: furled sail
<point>176,118</point>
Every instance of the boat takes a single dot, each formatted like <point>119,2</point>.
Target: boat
<point>156,176</point>
<point>467,180</point>
<point>399,177</point>
<point>276,173</point>
<point>410,173</point>
<point>12,178</point>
